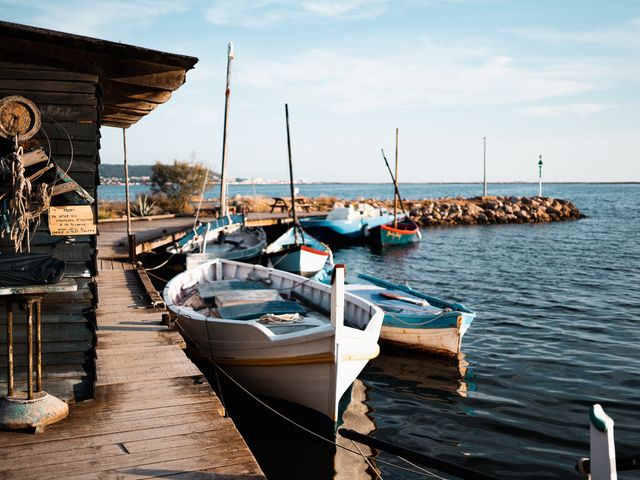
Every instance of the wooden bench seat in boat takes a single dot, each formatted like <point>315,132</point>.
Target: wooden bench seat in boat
<point>249,311</point>
<point>246,300</point>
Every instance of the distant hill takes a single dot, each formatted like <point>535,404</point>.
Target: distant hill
<point>110,170</point>
<point>115,170</point>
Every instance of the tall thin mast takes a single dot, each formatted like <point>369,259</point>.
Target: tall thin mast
<point>223,173</point>
<point>293,190</point>
<point>484,181</point>
<point>395,198</point>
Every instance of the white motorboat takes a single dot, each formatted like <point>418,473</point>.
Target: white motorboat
<point>277,334</point>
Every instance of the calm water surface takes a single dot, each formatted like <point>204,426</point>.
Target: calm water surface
<point>557,330</point>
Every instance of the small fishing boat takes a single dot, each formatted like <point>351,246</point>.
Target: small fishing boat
<point>345,224</point>
<point>402,230</point>
<point>278,334</point>
<point>224,237</point>
<point>298,252</point>
<point>415,320</point>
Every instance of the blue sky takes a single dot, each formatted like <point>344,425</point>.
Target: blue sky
<point>557,78</point>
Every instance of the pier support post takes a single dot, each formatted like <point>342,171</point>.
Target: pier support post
<point>35,408</point>
<point>603,449</point>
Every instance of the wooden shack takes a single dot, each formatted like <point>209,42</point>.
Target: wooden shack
<point>79,85</point>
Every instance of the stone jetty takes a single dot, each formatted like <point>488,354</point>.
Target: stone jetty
<point>492,209</point>
<point>451,211</point>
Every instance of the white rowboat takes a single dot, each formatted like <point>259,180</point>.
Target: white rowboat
<point>272,332</point>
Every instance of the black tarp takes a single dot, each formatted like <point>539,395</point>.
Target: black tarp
<point>17,269</point>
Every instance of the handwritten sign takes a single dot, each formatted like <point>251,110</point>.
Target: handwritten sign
<point>71,220</point>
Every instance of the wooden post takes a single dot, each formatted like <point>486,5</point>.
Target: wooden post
<point>337,297</point>
<point>30,350</point>
<point>485,190</point>
<point>9,348</point>
<point>603,450</point>
<point>38,306</point>
<point>396,195</point>
<point>293,192</point>
<point>223,172</point>
<point>126,189</point>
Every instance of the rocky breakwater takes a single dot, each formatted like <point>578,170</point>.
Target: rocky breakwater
<point>492,209</point>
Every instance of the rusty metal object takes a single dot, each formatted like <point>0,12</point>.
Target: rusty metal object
<point>30,349</point>
<point>18,412</point>
<point>38,346</point>
<point>19,117</point>
<point>9,349</point>
<point>31,409</point>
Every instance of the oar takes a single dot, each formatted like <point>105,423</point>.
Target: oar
<point>422,303</point>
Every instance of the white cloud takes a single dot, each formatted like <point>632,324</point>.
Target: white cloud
<point>623,36</point>
<point>427,75</point>
<point>568,110</point>
<point>262,13</point>
<point>94,18</point>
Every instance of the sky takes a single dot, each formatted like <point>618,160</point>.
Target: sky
<point>535,77</point>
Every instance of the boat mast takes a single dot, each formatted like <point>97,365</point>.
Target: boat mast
<point>223,172</point>
<point>396,193</point>
<point>293,191</point>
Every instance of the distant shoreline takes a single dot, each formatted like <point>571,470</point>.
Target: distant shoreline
<point>633,182</point>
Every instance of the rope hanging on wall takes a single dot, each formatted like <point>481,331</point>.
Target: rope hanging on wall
<point>24,203</point>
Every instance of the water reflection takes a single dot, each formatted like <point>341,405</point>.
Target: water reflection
<point>357,416</point>
<point>429,377</point>
<point>283,449</point>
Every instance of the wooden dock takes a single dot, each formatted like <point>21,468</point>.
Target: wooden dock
<point>154,415</point>
<point>162,231</point>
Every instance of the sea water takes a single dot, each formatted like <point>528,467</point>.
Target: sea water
<point>557,330</point>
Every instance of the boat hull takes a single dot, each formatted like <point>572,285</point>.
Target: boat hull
<point>415,320</point>
<point>311,367</point>
<point>439,338</point>
<point>343,231</point>
<point>404,232</point>
<point>300,259</point>
<point>230,249</point>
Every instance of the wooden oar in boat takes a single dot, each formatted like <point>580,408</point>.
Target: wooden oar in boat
<point>415,301</point>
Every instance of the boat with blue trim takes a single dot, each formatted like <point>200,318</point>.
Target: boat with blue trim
<point>402,232</point>
<point>224,237</point>
<point>415,320</point>
<point>345,224</point>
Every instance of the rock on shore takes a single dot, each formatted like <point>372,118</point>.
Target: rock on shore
<point>453,211</point>
<point>492,209</point>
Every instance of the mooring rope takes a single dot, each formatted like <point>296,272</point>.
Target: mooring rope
<point>424,472</point>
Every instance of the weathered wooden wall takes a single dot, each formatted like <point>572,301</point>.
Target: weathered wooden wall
<point>70,106</point>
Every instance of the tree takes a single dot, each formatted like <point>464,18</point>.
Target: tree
<point>178,182</point>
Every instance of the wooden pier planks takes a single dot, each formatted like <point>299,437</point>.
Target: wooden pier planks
<point>153,416</point>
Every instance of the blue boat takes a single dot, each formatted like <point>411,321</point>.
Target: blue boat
<point>416,320</point>
<point>344,225</point>
<point>225,237</point>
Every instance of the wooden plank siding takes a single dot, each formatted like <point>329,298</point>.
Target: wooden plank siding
<point>70,105</point>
